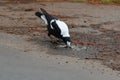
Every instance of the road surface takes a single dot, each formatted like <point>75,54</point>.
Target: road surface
<point>22,60</point>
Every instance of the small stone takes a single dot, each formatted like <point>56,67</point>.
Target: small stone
<point>58,62</point>
<point>66,62</point>
<point>85,21</point>
<point>76,61</point>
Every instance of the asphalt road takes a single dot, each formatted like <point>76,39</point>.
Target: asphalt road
<point>18,64</point>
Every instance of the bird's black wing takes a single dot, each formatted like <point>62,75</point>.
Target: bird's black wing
<point>55,30</point>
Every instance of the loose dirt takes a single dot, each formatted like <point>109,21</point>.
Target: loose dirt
<point>94,29</point>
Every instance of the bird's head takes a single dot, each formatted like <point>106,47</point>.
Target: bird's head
<point>67,41</point>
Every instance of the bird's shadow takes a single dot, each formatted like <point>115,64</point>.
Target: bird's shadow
<point>46,43</point>
<point>51,46</point>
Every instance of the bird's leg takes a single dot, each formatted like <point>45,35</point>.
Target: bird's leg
<point>53,39</point>
<point>59,40</point>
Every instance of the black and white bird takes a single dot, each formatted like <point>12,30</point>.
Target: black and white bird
<point>56,27</point>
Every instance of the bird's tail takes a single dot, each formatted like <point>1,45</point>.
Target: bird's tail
<point>43,11</point>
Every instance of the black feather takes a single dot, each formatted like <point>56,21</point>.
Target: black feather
<point>43,11</point>
<point>56,30</point>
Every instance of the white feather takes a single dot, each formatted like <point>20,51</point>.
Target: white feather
<point>51,23</point>
<point>63,27</point>
<point>44,19</point>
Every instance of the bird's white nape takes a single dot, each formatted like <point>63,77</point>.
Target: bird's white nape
<point>44,19</point>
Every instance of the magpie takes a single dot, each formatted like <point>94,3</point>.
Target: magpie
<point>55,27</point>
